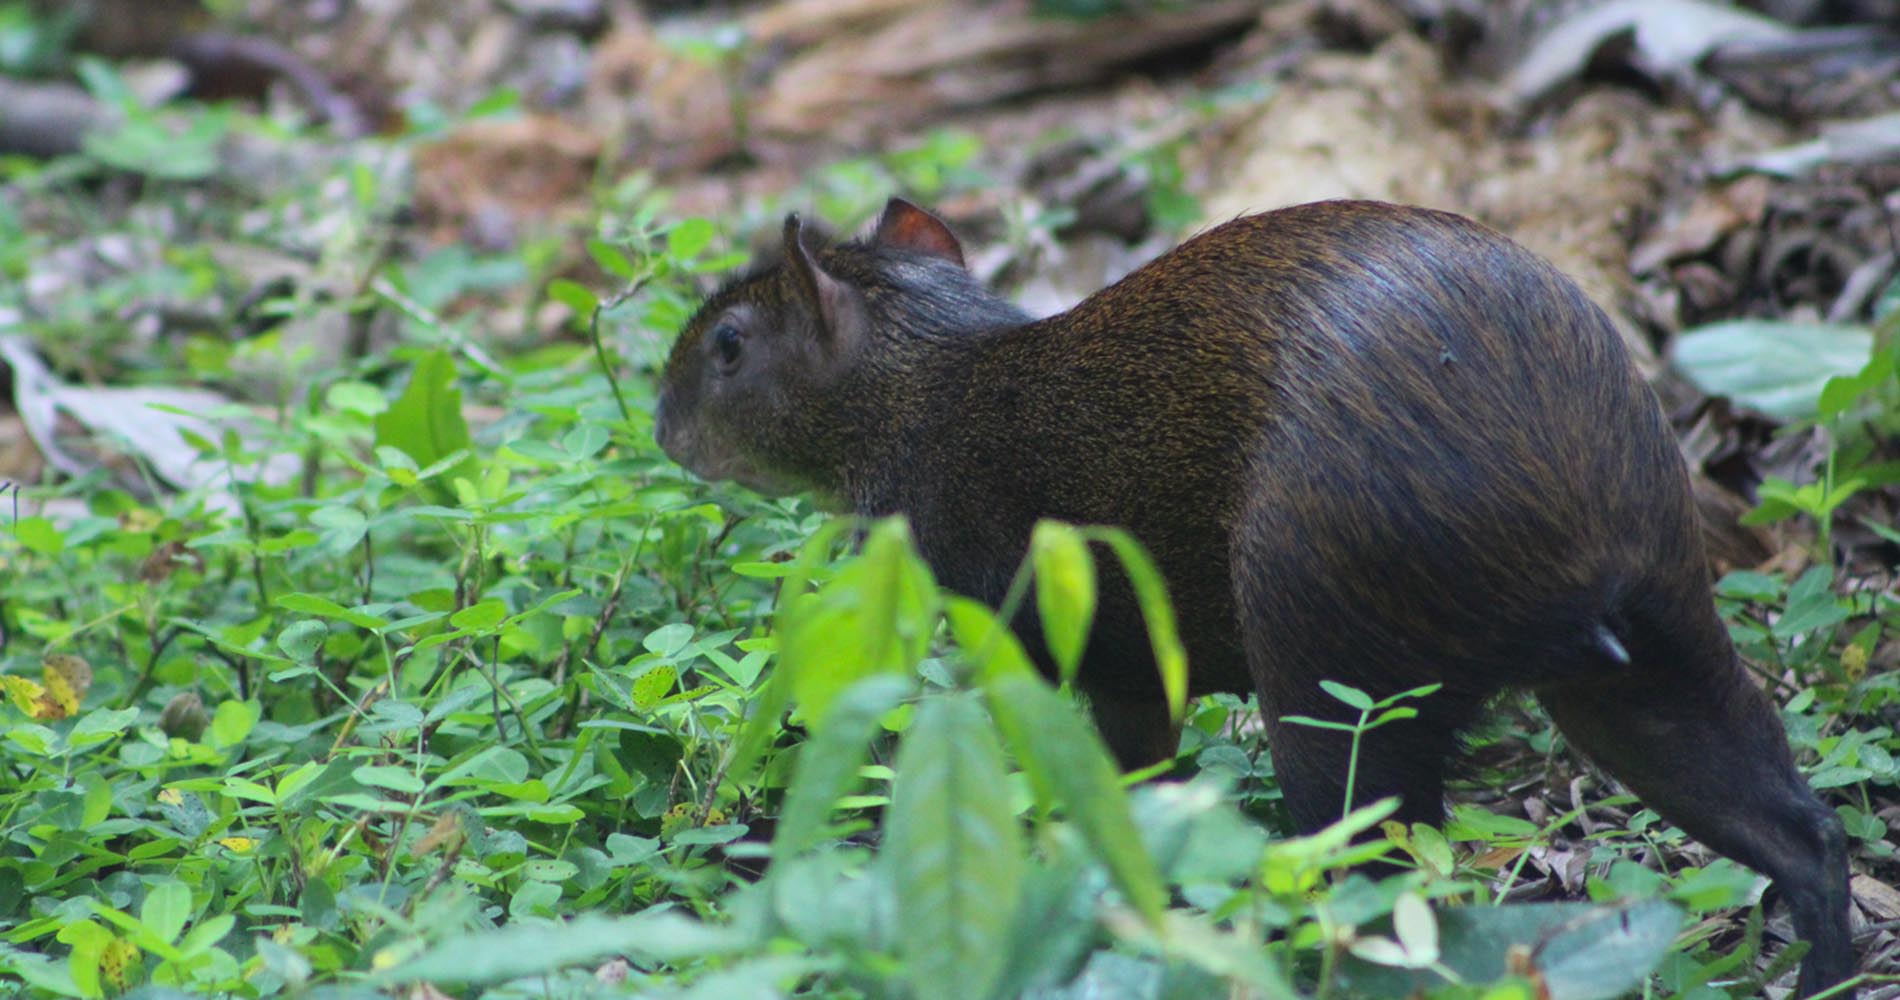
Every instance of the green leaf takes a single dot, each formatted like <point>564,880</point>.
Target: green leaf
<point>1842,391</point>
<point>233,721</point>
<point>1579,951</point>
<point>828,762</point>
<point>206,935</point>
<point>310,604</point>
<point>302,640</point>
<point>1065,759</point>
<point>342,526</point>
<point>100,725</point>
<point>611,259</point>
<point>668,640</point>
<point>497,101</point>
<point>764,722</point>
<point>689,238</point>
<point>480,616</point>
<point>984,638</point>
<point>650,688</point>
<point>145,144</point>
<point>395,779</point>
<point>577,297</point>
<point>426,423</point>
<point>166,910</point>
<point>535,947</point>
<point>1065,592</point>
<point>361,398</point>
<point>876,616</point>
<point>39,536</point>
<point>1352,696</point>
<point>1779,368</point>
<point>1151,594</point>
<point>955,851</point>
<point>1234,957</point>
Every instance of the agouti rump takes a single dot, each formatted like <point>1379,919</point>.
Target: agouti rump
<point>1368,443</point>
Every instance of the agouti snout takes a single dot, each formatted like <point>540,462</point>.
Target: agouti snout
<point>1374,444</point>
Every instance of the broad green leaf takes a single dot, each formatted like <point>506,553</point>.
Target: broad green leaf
<point>1414,944</point>
<point>166,910</point>
<point>576,296</point>
<point>1233,957</point>
<point>310,604</point>
<point>323,607</point>
<point>480,616</point>
<point>984,638</point>
<point>395,779</point>
<point>828,762</point>
<point>549,870</point>
<point>206,934</point>
<point>100,725</point>
<point>426,424</point>
<point>668,640</point>
<point>755,977</point>
<point>955,851</point>
<point>1842,391</point>
<point>875,616</point>
<point>1579,951</point>
<point>1065,759</point>
<point>764,719</point>
<point>611,259</point>
<point>361,398</point>
<point>1776,367</point>
<point>652,687</point>
<point>302,640</point>
<point>39,535</point>
<point>689,238</point>
<point>535,947</point>
<point>1065,592</point>
<point>343,527</point>
<point>232,721</point>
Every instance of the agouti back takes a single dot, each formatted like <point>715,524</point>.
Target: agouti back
<point>1368,443</point>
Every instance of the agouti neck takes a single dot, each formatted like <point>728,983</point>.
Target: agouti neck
<point>932,335</point>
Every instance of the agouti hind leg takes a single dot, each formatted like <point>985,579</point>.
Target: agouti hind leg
<point>1404,759</point>
<point>1135,726</point>
<point>1712,758</point>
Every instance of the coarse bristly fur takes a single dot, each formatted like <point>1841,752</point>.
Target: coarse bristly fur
<point>1368,443</point>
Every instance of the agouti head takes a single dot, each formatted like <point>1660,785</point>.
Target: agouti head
<point>772,381</point>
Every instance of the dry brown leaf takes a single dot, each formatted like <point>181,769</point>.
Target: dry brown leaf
<point>1880,900</point>
<point>487,175</point>
<point>938,57</point>
<point>1715,213</point>
<point>1670,36</point>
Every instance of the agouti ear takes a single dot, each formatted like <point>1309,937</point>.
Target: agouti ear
<point>907,227</point>
<point>840,313</point>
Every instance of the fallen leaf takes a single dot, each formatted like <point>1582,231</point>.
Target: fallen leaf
<point>1670,37</point>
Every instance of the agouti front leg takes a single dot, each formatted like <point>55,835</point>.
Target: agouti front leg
<point>1711,757</point>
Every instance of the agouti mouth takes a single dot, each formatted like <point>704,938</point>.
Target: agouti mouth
<point>723,468</point>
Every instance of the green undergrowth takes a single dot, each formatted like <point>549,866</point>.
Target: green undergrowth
<point>481,692</point>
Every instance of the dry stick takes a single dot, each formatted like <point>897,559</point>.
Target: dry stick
<point>431,319</point>
<point>600,348</point>
<point>356,341</point>
<point>593,642</point>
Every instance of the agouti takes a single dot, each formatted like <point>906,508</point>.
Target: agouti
<point>1376,444</point>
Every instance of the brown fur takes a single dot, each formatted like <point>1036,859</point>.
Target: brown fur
<point>1375,444</point>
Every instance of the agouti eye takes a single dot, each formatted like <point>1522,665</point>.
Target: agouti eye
<point>727,345</point>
